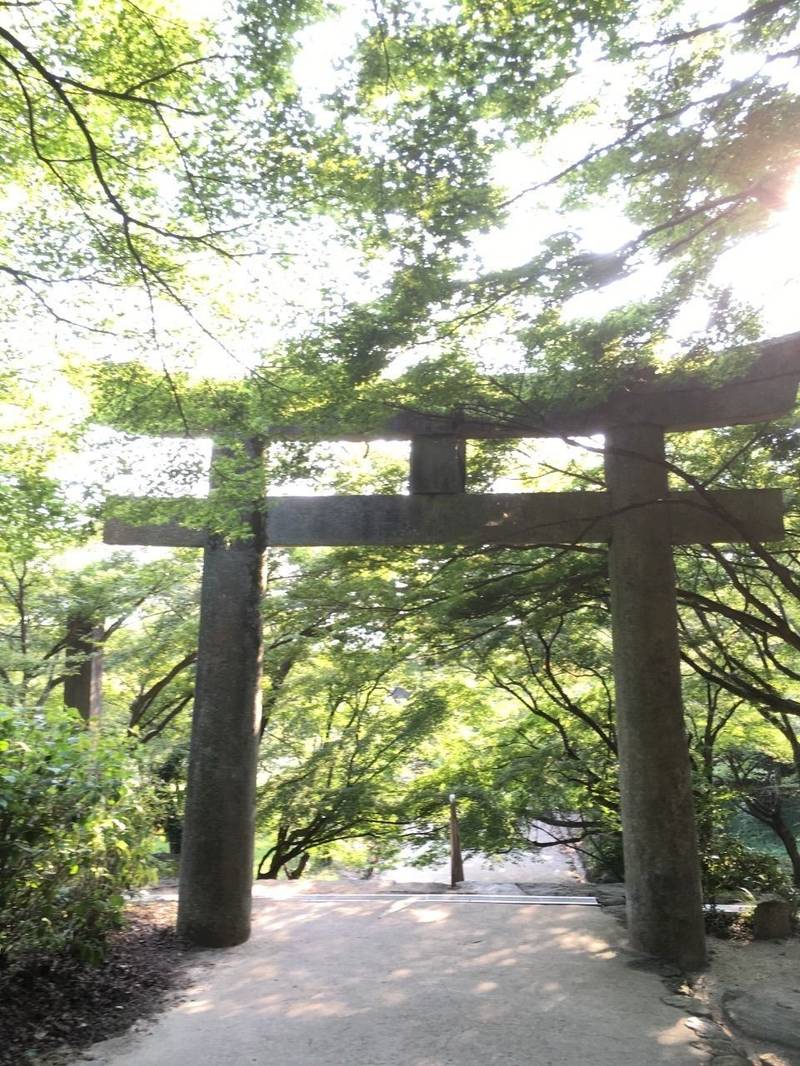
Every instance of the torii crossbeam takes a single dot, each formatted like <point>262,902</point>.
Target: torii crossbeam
<point>638,516</point>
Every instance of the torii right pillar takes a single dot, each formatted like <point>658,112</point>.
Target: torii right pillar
<point>662,869</point>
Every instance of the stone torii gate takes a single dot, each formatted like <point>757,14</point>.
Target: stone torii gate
<point>638,516</point>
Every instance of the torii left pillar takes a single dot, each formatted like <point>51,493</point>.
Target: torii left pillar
<point>217,860</point>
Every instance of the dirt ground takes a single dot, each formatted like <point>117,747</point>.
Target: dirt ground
<point>47,1003</point>
<point>359,982</point>
<point>768,969</point>
<point>342,979</point>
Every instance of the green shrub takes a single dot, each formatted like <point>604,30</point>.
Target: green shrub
<point>730,866</point>
<point>602,857</point>
<point>74,825</point>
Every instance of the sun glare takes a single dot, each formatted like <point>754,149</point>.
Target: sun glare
<point>763,269</point>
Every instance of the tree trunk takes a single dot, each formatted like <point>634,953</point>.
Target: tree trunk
<point>789,841</point>
<point>297,872</point>
<point>278,855</point>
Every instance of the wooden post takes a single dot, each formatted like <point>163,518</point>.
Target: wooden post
<point>217,860</point>
<point>456,862</point>
<point>662,875</point>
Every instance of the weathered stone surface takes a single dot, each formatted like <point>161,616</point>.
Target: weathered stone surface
<point>763,1018</point>
<point>83,685</point>
<point>217,860</point>
<point>677,986</point>
<point>174,534</point>
<point>493,888</point>
<point>704,1028</point>
<point>722,1046</point>
<point>495,518</point>
<point>664,900</point>
<point>773,920</point>
<point>438,464</point>
<point>689,1004</point>
<point>555,888</point>
<point>512,518</point>
<point>729,1060</point>
<point>648,963</point>
<point>644,962</point>
<point>643,520</point>
<point>610,895</point>
<point>617,910</point>
<point>766,392</point>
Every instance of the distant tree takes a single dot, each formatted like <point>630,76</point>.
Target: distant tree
<point>337,756</point>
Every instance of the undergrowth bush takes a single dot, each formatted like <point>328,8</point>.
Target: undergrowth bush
<point>74,825</point>
<point>602,857</point>
<point>730,866</point>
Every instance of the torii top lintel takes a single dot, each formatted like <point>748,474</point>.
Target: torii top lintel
<point>439,511</point>
<point>766,392</point>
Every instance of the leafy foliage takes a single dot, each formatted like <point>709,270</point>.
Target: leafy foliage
<point>74,827</point>
<point>730,866</point>
<point>339,752</point>
<point>133,131</point>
